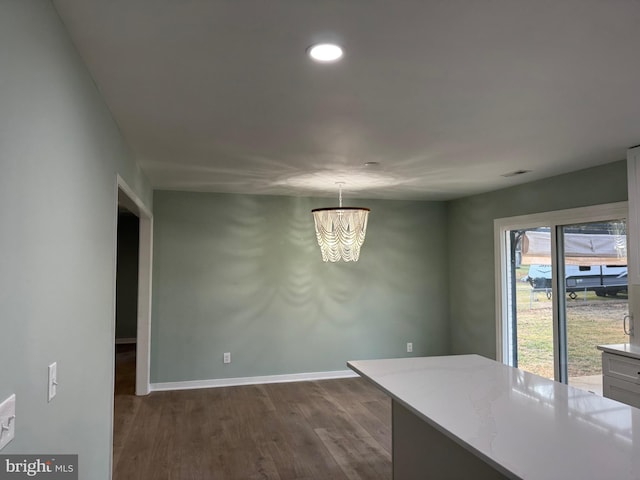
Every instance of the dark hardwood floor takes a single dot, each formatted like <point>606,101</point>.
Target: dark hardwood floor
<point>321,430</point>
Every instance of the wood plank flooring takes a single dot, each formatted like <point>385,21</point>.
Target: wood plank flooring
<point>321,430</point>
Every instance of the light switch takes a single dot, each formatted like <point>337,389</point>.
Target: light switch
<point>7,420</point>
<point>53,380</point>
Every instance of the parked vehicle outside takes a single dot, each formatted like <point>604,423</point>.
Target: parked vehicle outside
<point>601,279</point>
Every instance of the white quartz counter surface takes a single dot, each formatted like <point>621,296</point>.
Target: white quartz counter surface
<point>525,426</point>
<point>624,349</point>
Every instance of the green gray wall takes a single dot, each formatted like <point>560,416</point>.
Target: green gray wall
<point>59,154</point>
<point>243,274</point>
<point>471,249</point>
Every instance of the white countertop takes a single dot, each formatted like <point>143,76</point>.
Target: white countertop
<point>526,426</point>
<point>625,349</point>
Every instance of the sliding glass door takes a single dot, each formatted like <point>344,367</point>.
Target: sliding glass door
<point>561,291</point>
<point>594,297</point>
<point>531,315</point>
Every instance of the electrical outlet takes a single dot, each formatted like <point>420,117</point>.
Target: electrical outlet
<point>7,420</point>
<point>53,381</point>
<point>227,357</point>
<point>409,347</point>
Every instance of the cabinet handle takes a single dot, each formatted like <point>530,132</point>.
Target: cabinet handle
<point>628,330</point>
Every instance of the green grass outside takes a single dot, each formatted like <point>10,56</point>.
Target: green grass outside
<point>590,322</point>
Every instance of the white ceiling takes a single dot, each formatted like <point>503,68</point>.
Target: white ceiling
<point>448,95</point>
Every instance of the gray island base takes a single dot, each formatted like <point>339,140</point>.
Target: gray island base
<point>442,459</point>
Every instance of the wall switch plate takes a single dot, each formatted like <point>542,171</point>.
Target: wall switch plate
<point>409,347</point>
<point>7,420</point>
<point>227,357</point>
<point>53,381</point>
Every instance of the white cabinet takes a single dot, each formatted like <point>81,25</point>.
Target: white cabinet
<point>621,373</point>
<point>625,392</point>
<point>621,367</point>
<point>621,363</point>
<point>633,187</point>
<point>633,238</point>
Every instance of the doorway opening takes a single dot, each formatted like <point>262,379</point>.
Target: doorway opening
<point>127,258</point>
<point>134,211</point>
<point>132,301</point>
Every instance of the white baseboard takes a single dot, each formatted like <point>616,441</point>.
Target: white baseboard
<point>233,382</point>
<point>121,341</point>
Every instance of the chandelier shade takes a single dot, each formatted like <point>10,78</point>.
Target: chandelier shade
<point>340,232</point>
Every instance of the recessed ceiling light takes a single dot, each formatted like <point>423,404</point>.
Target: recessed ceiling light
<point>325,52</point>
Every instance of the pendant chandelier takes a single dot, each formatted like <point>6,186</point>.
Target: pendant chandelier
<point>340,231</point>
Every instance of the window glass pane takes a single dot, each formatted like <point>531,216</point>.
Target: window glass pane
<point>531,315</point>
<point>595,268</point>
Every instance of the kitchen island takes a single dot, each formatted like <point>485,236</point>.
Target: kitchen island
<point>465,416</point>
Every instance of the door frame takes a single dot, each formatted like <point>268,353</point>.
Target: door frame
<point>143,335</point>
<point>552,220</point>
